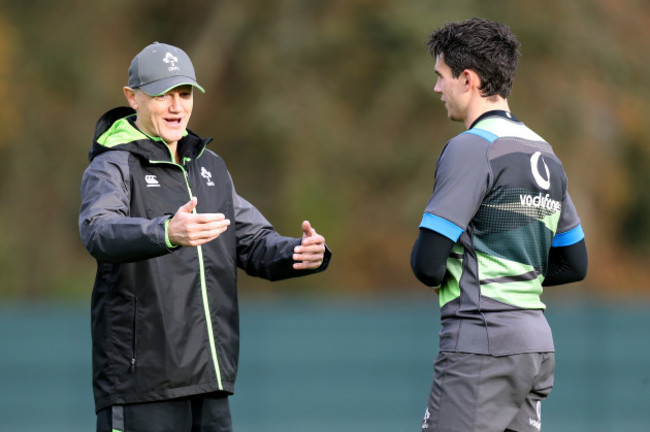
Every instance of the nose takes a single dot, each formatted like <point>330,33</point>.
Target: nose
<point>175,103</point>
<point>437,88</point>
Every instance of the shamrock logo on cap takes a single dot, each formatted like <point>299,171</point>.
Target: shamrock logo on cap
<point>170,58</point>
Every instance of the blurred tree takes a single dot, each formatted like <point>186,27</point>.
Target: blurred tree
<point>322,110</point>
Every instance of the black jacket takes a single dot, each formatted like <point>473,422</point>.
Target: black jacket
<point>165,320</point>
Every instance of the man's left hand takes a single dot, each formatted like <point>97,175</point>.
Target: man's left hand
<point>309,255</point>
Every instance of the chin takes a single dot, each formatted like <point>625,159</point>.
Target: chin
<point>453,117</point>
<point>173,137</point>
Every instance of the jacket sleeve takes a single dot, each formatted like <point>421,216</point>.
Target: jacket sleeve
<point>261,251</point>
<point>106,228</point>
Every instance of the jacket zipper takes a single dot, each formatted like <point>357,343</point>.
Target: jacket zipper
<point>204,290</point>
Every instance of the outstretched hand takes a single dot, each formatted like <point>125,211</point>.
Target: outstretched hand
<point>187,228</point>
<point>309,254</point>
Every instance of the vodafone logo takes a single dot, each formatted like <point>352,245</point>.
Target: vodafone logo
<point>542,181</point>
<point>541,201</point>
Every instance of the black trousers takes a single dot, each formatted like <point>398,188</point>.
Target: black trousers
<point>201,413</point>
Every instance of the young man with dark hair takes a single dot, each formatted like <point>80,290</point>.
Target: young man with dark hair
<point>499,225</point>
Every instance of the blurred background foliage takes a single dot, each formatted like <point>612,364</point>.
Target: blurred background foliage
<point>323,110</point>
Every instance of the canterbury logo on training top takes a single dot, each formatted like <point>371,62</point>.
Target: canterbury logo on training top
<point>151,181</point>
<point>171,59</point>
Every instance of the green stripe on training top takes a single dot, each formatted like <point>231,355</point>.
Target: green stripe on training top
<point>450,288</point>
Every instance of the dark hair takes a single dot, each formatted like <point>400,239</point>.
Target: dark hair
<point>486,47</point>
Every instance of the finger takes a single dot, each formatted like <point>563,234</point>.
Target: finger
<point>307,265</point>
<point>207,218</point>
<point>220,226</point>
<point>311,262</point>
<point>207,233</point>
<point>316,249</point>
<point>212,228</point>
<point>307,229</point>
<point>208,236</point>
<point>189,206</point>
<point>312,254</point>
<point>308,243</point>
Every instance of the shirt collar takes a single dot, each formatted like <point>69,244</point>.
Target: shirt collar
<point>492,113</point>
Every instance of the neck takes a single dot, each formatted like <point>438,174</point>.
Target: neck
<point>482,105</point>
<point>173,149</point>
<point>173,146</point>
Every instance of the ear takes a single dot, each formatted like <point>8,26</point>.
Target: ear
<point>472,80</point>
<point>130,97</point>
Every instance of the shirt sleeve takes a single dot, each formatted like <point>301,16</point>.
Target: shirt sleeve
<point>461,181</point>
<point>569,229</point>
<point>566,264</point>
<point>429,257</point>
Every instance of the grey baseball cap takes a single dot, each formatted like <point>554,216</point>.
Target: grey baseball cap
<point>159,68</point>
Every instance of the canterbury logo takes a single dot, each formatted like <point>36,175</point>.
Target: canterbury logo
<point>151,181</point>
<point>542,181</point>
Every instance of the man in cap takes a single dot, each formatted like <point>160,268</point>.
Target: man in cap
<point>160,214</point>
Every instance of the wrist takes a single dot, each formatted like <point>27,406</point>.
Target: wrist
<point>168,241</point>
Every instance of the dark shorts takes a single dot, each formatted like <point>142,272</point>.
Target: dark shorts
<point>201,413</point>
<point>472,392</point>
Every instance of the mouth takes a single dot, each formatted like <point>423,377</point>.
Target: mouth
<point>173,122</point>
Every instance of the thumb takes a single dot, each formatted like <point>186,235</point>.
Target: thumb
<point>307,229</point>
<point>188,206</point>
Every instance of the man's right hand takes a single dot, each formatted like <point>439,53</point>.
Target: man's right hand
<point>193,229</point>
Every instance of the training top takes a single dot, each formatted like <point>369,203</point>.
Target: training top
<point>501,194</point>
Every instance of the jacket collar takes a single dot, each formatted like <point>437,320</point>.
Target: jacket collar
<point>116,130</point>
